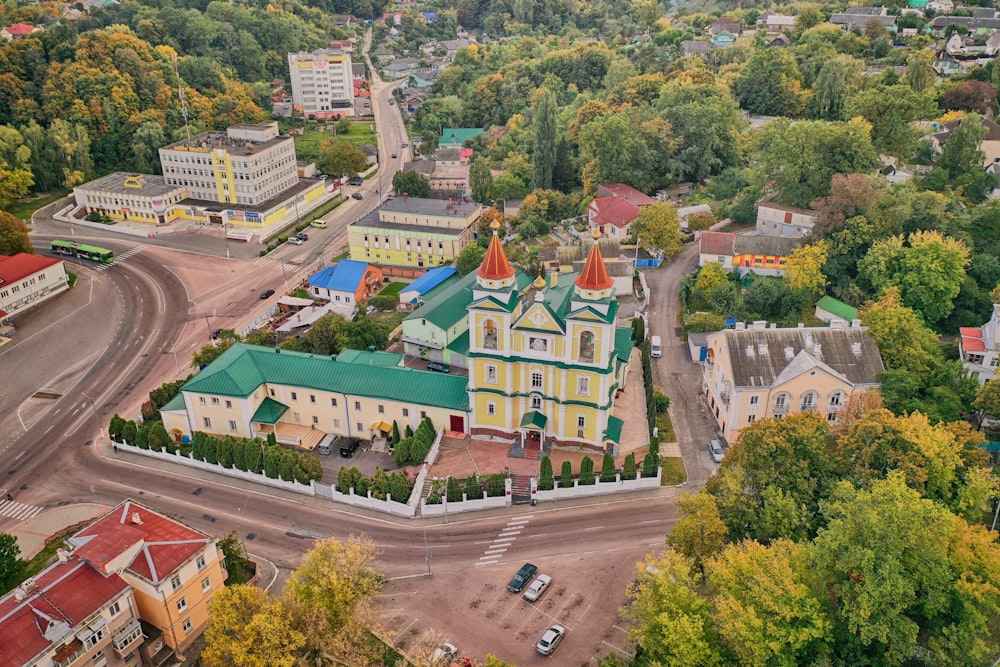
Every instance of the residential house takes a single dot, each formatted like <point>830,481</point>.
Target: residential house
<point>451,46</point>
<point>829,309</point>
<point>70,613</point>
<point>251,391</point>
<point>344,45</point>
<point>383,54</point>
<point>455,137</point>
<point>763,255</point>
<point>983,12</point>
<point>346,21</point>
<point>857,18</point>
<point>990,145</point>
<point>780,41</point>
<point>349,282</point>
<point>396,18</point>
<point>941,6</point>
<point>626,192</point>
<point>723,40</point>
<point>401,67</point>
<point>776,23</point>
<point>18,31</point>
<point>615,209</point>
<point>430,18</point>
<point>992,45</point>
<point>979,348</point>
<point>450,176</point>
<point>692,47</point>
<point>414,233</point>
<point>27,280</point>
<point>976,26</point>
<point>946,64</point>
<point>760,372</point>
<point>724,26</point>
<point>920,5</point>
<point>371,153</point>
<point>174,570</point>
<point>358,71</point>
<point>774,219</point>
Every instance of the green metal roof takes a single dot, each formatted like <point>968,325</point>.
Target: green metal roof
<point>269,412</point>
<point>241,369</point>
<point>175,403</point>
<point>448,306</point>
<point>838,308</point>
<point>533,419</point>
<point>457,136</point>
<point>614,430</point>
<point>623,343</point>
<point>460,345</point>
<point>365,358</point>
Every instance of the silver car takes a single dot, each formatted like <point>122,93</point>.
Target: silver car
<point>537,587</point>
<point>715,449</point>
<point>550,639</point>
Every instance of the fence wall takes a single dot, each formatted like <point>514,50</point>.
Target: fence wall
<point>597,488</point>
<point>444,508</point>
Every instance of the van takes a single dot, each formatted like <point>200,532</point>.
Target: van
<point>655,347</point>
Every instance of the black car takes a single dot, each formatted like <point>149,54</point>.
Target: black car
<point>267,294</point>
<point>522,577</point>
<point>303,236</point>
<point>348,446</point>
<point>356,181</point>
<point>357,195</point>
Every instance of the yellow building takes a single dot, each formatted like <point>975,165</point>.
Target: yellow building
<point>173,570</point>
<point>546,364</point>
<point>414,232</point>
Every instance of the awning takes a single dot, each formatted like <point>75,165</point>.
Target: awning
<point>269,412</point>
<point>534,419</point>
<point>614,430</point>
<point>381,426</point>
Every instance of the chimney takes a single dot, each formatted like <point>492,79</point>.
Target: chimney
<point>136,519</point>
<point>62,555</point>
<point>20,593</point>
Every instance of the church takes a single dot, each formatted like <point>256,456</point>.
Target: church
<point>546,362</point>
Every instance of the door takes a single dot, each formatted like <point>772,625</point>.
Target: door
<point>458,423</point>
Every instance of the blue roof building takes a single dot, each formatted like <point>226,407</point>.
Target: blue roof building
<point>425,283</point>
<point>348,282</point>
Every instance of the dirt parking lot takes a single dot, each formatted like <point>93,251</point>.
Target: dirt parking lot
<point>472,608</point>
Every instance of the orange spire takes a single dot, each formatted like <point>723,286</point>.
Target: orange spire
<point>495,265</point>
<point>594,276</point>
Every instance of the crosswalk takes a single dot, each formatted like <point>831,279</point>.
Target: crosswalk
<point>504,539</point>
<point>131,252</point>
<point>15,510</point>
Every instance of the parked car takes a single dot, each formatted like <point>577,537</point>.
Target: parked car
<point>356,181</point>
<point>438,366</point>
<point>295,240</point>
<point>444,654</point>
<point>522,577</point>
<point>550,639</point>
<point>319,222</point>
<point>405,144</point>
<point>324,449</point>
<point>357,195</point>
<point>303,236</point>
<point>348,446</point>
<point>537,587</point>
<point>267,294</point>
<point>715,449</point>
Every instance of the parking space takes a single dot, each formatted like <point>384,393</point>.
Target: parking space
<point>364,459</point>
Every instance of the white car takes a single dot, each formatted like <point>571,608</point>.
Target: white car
<point>537,587</point>
<point>550,639</point>
<point>444,654</point>
<point>715,449</point>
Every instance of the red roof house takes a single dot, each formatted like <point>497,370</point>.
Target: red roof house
<point>17,31</point>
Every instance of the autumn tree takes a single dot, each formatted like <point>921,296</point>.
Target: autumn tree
<point>804,268</point>
<point>988,398</point>
<point>248,627</point>
<point>920,72</point>
<point>889,110</point>
<point>904,341</point>
<point>339,157</point>
<point>850,195</point>
<point>700,533</point>
<point>657,227</point>
<point>411,182</point>
<point>971,95</point>
<point>13,235</point>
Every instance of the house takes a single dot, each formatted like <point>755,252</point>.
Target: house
<point>979,348</point>
<point>346,21</point>
<point>992,45</point>
<point>430,17</point>
<point>371,153</point>
<point>857,18</point>
<point>976,26</point>
<point>417,290</point>
<point>723,40</point>
<point>358,71</point>
<point>764,255</point>
<point>829,309</point>
<point>349,282</point>
<point>941,6</point>
<point>455,137</point>
<point>760,372</point>
<point>626,192</point>
<point>27,280</point>
<point>70,613</point>
<point>774,219</point>
<point>451,46</point>
<point>345,45</point>
<point>396,18</point>
<point>414,233</point>
<point>18,31</point>
<point>724,26</point>
<point>692,47</point>
<point>918,4</point>
<point>613,216</point>
<point>383,54</point>
<point>990,145</point>
<point>781,40</point>
<point>173,570</point>
<point>401,67</point>
<point>946,64</point>
<point>776,23</point>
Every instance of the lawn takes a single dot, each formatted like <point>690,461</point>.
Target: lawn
<point>309,143</point>
<point>666,427</point>
<point>23,208</point>
<point>673,471</point>
<point>392,289</point>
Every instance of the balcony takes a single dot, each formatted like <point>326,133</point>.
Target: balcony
<point>724,397</point>
<point>125,640</point>
<point>780,409</point>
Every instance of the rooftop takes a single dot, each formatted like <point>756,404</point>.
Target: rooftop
<point>430,280</point>
<point>421,206</point>
<point>22,265</point>
<point>373,221</point>
<point>456,136</point>
<point>129,183</point>
<point>345,276</point>
<point>207,141</point>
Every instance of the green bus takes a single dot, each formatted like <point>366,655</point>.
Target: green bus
<point>102,255</point>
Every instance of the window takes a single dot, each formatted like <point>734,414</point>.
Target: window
<point>587,347</point>
<point>808,401</point>
<point>215,400</point>
<point>315,419</point>
<point>780,400</point>
<point>232,425</point>
<point>206,584</point>
<point>583,386</point>
<point>187,625</point>
<point>489,335</point>
<point>312,398</point>
<point>207,421</point>
<point>831,417</point>
<point>581,421</point>
<point>296,417</point>
<point>201,400</point>
<point>491,408</point>
<point>272,393</point>
<point>536,402</point>
<point>536,380</point>
<point>491,373</point>
<point>182,604</point>
<point>229,405</point>
<point>754,400</point>
<point>406,412</point>
<point>836,398</point>
<point>360,427</point>
<point>175,581</point>
<point>115,608</point>
<point>336,423</point>
<point>357,405</point>
<point>381,409</point>
<point>751,418</point>
<point>333,402</point>
<point>200,562</point>
<point>295,396</point>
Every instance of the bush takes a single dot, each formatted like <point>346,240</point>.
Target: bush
<point>142,436</point>
<point>116,428</point>
<point>660,401</point>
<point>346,478</point>
<point>402,453</point>
<point>545,479</point>
<point>628,470</point>
<point>384,302</point>
<point>566,476</point>
<point>361,486</point>
<point>453,490</point>
<point>587,471</point>
<point>473,489</point>
<point>399,487</point>
<point>495,486</point>
<point>608,469</point>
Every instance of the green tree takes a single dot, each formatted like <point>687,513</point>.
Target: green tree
<point>146,142</point>
<point>480,180</point>
<point>546,480</point>
<point>890,110</point>
<point>700,533</point>
<point>628,469</point>
<point>920,72</point>
<point>11,565</point>
<point>412,183</point>
<point>339,157</point>
<point>658,228</point>
<point>566,476</point>
<point>617,150</point>
<point>837,79</point>
<point>473,489</point>
<point>71,143</point>
<point>770,84</point>
<point>609,470</point>
<point>961,153</point>
<point>543,157</point>
<point>469,259</point>
<point>904,341</point>
<point>13,235</point>
<point>209,353</point>
<point>988,398</point>
<point>507,186</point>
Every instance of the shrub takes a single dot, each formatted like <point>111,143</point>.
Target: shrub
<point>399,487</point>
<point>395,432</point>
<point>473,489</point>
<point>453,490</point>
<point>142,436</point>
<point>608,468</point>
<point>402,453</point>
<point>149,412</point>
<point>587,471</point>
<point>345,478</point>
<point>545,479</point>
<point>495,486</point>
<point>408,433</point>
<point>130,433</point>
<point>361,486</point>
<point>225,450</point>
<point>384,302</point>
<point>660,402</point>
<point>628,470</point>
<point>116,428</point>
<point>566,476</point>
<point>379,484</point>
<point>159,439</point>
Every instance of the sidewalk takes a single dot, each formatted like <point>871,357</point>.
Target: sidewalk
<point>32,535</point>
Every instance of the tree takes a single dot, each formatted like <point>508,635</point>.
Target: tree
<point>546,480</point>
<point>961,153</point>
<point>609,470</point>
<point>889,110</point>
<point>658,228</point>
<point>507,186</point>
<point>971,95</point>
<point>11,565</point>
<point>988,398</point>
<point>770,84</point>
<point>804,268</point>
<point>837,79</point>
<point>13,235</point>
<point>700,533</point>
<point>412,183</point>
<point>802,157</point>
<point>469,259</point>
<point>146,142</point>
<point>339,157</point>
<point>209,353</point>
<point>543,157</point>
<point>850,195</point>
<point>904,341</point>
<point>617,150</point>
<point>566,475</point>
<point>249,627</point>
<point>15,182</point>
<point>480,180</point>
<point>920,72</point>
<point>71,143</point>
<point>928,270</point>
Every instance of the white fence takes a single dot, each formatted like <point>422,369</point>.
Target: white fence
<point>372,503</point>
<point>444,508</point>
<point>597,488</point>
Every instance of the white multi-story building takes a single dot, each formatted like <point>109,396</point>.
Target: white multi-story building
<point>27,280</point>
<point>980,348</point>
<point>246,164</point>
<point>322,83</point>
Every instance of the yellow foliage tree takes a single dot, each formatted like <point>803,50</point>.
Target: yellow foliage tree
<point>249,628</point>
<point>804,268</point>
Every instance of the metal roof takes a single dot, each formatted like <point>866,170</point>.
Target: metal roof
<point>344,276</point>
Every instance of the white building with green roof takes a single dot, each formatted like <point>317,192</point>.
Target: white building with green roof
<point>253,391</point>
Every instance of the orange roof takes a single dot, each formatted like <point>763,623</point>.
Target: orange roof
<point>495,265</point>
<point>594,275</point>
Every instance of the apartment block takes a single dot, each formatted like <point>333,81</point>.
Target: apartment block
<point>26,280</point>
<point>322,83</point>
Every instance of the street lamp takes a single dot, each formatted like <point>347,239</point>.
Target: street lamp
<point>225,233</point>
